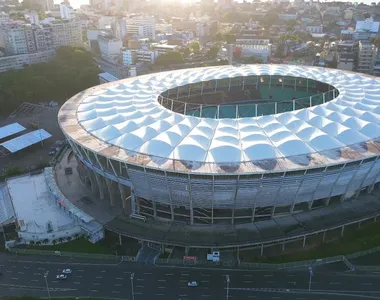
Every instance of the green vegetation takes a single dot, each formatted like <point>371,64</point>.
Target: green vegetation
<point>109,245</point>
<point>212,53</point>
<point>169,58</point>
<point>70,72</point>
<point>367,237</point>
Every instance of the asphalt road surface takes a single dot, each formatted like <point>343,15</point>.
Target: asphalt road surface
<point>24,275</point>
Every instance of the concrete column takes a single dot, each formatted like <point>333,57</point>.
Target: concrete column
<point>310,204</point>
<point>370,188</point>
<point>233,216</point>
<point>109,184</point>
<point>327,201</point>
<point>99,180</point>
<point>120,243</point>
<point>304,241</point>
<point>342,232</point>
<point>154,210</point>
<point>262,249</point>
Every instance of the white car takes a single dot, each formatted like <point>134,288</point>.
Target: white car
<point>61,276</point>
<point>67,271</point>
<point>192,283</point>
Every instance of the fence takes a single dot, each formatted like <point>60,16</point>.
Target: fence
<point>71,254</point>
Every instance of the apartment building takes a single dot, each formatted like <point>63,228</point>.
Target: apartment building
<point>110,47</point>
<point>16,62</point>
<point>142,26</point>
<point>347,55</point>
<point>66,33</point>
<point>66,11</point>
<point>163,48</point>
<point>367,53</point>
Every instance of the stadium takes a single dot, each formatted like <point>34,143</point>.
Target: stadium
<point>228,145</point>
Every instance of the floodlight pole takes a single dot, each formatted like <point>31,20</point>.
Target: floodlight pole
<point>133,294</point>
<point>47,286</point>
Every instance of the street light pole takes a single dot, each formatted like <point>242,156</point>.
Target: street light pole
<point>133,294</point>
<point>47,286</point>
<point>228,285</point>
<point>310,275</point>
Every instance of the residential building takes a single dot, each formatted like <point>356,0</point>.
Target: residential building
<point>33,18</point>
<point>252,41</point>
<point>128,56</point>
<point>261,52</point>
<point>66,33</point>
<point>201,29</point>
<point>347,55</point>
<point>4,18</point>
<point>49,5</point>
<point>110,47</point>
<point>146,56</point>
<point>119,28</point>
<point>142,26</point>
<point>16,62</point>
<point>314,28</point>
<point>165,28</point>
<point>16,42</point>
<point>367,53</point>
<point>66,11</point>
<point>368,25</point>
<point>163,48</point>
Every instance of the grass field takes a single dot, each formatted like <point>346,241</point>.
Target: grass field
<point>367,237</point>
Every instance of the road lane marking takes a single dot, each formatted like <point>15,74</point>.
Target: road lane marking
<point>205,295</point>
<point>334,283</point>
<point>247,281</point>
<point>80,270</point>
<point>250,296</point>
<point>79,276</point>
<point>37,274</point>
<point>117,284</point>
<point>147,273</point>
<point>169,274</point>
<point>14,278</point>
<point>94,291</point>
<point>119,278</point>
<point>139,279</point>
<point>205,281</point>
<point>96,283</point>
<point>115,292</point>
<point>40,269</point>
<point>21,273</point>
<point>161,287</point>
<point>13,266</point>
<point>102,271</point>
<point>138,293</point>
<point>54,281</point>
<point>161,280</point>
<point>268,275</point>
<point>34,280</point>
<point>185,274</point>
<point>139,286</point>
<point>366,283</point>
<point>291,275</point>
<point>99,277</point>
<point>248,275</point>
<point>160,295</point>
<point>24,267</point>
<point>8,271</point>
<point>206,275</point>
<point>76,282</point>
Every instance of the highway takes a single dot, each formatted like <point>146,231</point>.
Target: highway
<point>24,275</point>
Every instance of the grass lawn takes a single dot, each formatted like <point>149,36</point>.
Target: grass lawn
<point>79,245</point>
<point>367,237</point>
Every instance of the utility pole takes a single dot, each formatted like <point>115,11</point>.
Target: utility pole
<point>133,294</point>
<point>47,286</point>
<point>228,285</point>
<point>311,274</point>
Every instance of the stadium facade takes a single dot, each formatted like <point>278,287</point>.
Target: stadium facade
<point>227,145</point>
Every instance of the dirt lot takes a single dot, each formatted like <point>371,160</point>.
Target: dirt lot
<point>31,117</point>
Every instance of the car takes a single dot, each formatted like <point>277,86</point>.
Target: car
<point>67,271</point>
<point>192,283</point>
<point>61,276</point>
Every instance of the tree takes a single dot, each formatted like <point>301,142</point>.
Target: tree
<point>195,47</point>
<point>169,58</point>
<point>253,60</point>
<point>212,53</point>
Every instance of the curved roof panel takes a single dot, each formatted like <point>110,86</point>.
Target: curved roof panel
<point>127,115</point>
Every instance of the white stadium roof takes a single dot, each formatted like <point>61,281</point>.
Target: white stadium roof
<point>125,115</point>
<point>26,140</point>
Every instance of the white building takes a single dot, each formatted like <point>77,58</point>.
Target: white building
<point>314,28</point>
<point>201,29</point>
<point>163,48</point>
<point>16,62</point>
<point>66,33</point>
<point>165,28</point>
<point>110,47</point>
<point>33,18</point>
<point>146,56</point>
<point>367,53</point>
<point>142,26</point>
<point>368,25</point>
<point>66,11</point>
<point>105,21</point>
